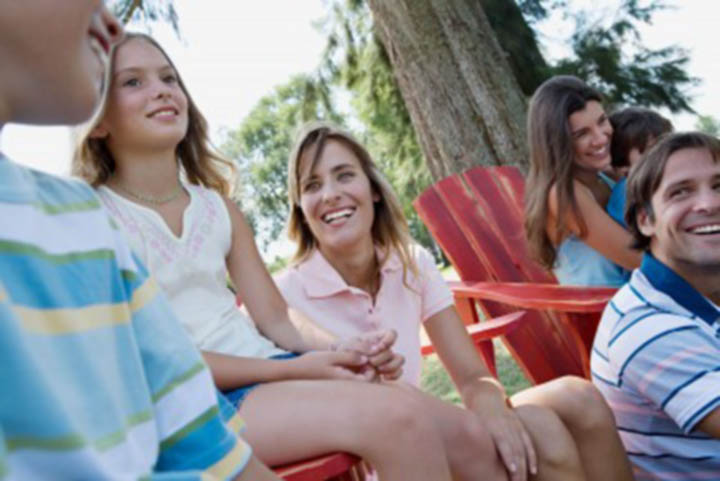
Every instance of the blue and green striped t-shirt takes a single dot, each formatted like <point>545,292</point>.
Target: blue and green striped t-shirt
<point>99,381</point>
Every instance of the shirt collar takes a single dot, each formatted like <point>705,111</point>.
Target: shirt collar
<point>671,284</point>
<point>322,280</point>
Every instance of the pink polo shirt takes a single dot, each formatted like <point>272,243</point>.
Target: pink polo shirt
<point>316,289</point>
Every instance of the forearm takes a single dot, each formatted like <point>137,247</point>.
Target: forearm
<point>232,372</point>
<point>297,333</point>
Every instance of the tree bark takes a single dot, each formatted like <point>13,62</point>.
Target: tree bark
<point>464,101</point>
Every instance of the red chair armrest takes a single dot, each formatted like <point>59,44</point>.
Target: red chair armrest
<point>486,330</point>
<point>537,296</point>
<point>318,469</point>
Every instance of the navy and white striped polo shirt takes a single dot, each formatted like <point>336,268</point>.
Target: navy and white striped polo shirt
<point>656,359</point>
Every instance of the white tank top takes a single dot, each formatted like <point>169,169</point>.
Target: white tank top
<point>191,269</point>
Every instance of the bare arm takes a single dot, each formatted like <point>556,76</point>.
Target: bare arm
<point>480,392</point>
<point>711,423</point>
<point>603,234</point>
<point>264,302</point>
<point>232,372</point>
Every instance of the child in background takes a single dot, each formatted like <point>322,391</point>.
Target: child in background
<point>148,153</point>
<point>98,379</point>
<point>635,130</point>
<point>356,268</point>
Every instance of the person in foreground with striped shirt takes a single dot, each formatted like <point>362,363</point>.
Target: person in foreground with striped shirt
<point>98,379</point>
<point>656,356</point>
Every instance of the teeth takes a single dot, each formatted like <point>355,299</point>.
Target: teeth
<point>337,214</point>
<point>706,229</point>
<point>163,113</point>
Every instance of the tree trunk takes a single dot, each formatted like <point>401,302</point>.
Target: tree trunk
<point>464,101</point>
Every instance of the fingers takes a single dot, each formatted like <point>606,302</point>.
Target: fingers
<point>511,448</point>
<point>392,370</point>
<point>530,451</point>
<point>348,358</point>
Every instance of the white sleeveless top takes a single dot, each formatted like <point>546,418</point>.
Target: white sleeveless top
<point>191,269</point>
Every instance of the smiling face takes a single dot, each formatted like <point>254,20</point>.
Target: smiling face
<point>591,133</point>
<point>146,106</point>
<point>685,227</point>
<point>53,58</point>
<point>336,198</point>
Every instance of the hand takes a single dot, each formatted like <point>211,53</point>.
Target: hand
<point>376,346</point>
<point>347,365</point>
<point>508,433</point>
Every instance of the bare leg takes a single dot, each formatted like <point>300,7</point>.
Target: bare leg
<point>470,450</point>
<point>256,471</point>
<point>291,420</point>
<point>557,455</point>
<point>590,421</point>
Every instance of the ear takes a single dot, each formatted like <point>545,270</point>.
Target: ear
<point>376,196</point>
<point>645,222</point>
<point>99,132</point>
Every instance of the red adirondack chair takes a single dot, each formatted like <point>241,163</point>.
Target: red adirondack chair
<point>477,219</point>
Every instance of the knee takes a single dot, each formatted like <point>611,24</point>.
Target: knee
<point>583,407</point>
<point>404,417</point>
<point>553,443</point>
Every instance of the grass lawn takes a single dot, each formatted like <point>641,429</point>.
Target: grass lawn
<point>436,381</point>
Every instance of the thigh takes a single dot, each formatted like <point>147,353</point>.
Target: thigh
<point>292,420</point>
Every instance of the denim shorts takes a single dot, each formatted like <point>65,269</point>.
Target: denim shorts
<point>237,396</point>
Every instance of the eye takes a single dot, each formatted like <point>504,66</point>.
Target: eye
<point>131,82</point>
<point>170,78</point>
<point>311,186</point>
<point>678,192</point>
<point>345,176</point>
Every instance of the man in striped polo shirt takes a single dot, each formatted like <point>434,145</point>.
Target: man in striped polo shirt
<point>656,355</point>
<point>98,379</point>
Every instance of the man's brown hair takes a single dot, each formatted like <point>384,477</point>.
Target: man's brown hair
<point>646,176</point>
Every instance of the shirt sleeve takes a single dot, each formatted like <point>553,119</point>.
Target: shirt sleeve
<point>435,292</point>
<point>675,365</point>
<point>193,431</point>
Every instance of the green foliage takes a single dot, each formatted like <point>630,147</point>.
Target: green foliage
<point>708,124</point>
<point>261,145</point>
<point>145,11</point>
<point>611,57</point>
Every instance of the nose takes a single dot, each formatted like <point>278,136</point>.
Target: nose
<point>106,23</point>
<point>708,200</point>
<point>329,192</point>
<point>599,136</point>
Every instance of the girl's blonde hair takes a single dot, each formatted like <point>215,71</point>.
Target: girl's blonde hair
<point>390,230</point>
<point>201,163</point>
<point>552,161</point>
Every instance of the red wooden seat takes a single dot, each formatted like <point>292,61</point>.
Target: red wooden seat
<point>335,466</point>
<point>477,219</point>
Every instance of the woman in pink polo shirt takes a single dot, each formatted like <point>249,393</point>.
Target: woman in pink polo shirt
<point>356,269</point>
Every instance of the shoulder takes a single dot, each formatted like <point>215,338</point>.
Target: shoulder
<point>642,320</point>
<point>60,191</point>
<point>423,258</point>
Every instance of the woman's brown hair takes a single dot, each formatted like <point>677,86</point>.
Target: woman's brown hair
<point>201,163</point>
<point>552,161</point>
<point>390,230</point>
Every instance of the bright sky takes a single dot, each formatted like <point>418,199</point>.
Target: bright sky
<point>233,53</point>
